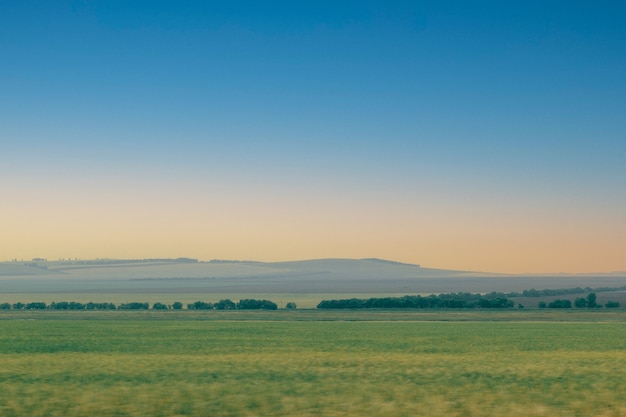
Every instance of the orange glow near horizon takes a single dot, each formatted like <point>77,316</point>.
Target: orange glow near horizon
<point>245,225</point>
<point>448,135</point>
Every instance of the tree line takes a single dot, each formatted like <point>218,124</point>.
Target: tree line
<point>588,302</point>
<point>457,301</point>
<point>451,300</point>
<point>460,300</point>
<point>245,304</point>
<point>226,304</point>
<point>551,292</point>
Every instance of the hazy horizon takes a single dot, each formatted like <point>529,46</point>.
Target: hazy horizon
<point>186,259</point>
<point>460,135</point>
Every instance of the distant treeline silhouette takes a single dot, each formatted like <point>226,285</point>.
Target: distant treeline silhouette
<point>451,300</point>
<point>124,261</point>
<point>458,301</point>
<point>563,291</point>
<point>589,302</point>
<point>245,304</point>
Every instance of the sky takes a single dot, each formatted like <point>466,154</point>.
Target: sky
<point>471,135</point>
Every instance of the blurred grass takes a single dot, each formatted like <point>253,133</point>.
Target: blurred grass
<point>126,365</point>
<point>512,315</point>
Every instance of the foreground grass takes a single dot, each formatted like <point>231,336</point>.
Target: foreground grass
<point>188,366</point>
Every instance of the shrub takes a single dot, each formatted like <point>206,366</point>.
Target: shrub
<point>580,302</point>
<point>591,300</point>
<point>200,305</point>
<point>134,306</point>
<point>560,304</point>
<point>225,305</point>
<point>99,306</point>
<point>251,304</point>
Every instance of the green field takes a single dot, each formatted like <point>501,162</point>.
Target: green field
<point>310,363</point>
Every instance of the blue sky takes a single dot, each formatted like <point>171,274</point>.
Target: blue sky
<point>482,110</point>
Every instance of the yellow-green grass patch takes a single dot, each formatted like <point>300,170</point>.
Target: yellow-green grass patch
<point>130,367</point>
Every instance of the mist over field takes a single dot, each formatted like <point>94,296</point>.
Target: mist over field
<point>320,276</point>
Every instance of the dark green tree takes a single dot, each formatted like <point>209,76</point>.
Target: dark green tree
<point>225,305</point>
<point>591,300</point>
<point>560,304</point>
<point>134,306</point>
<point>99,306</point>
<point>580,302</point>
<point>177,305</point>
<point>200,305</point>
<point>252,304</point>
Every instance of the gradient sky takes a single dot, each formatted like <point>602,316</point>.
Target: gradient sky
<point>476,135</point>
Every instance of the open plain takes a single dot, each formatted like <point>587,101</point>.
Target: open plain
<point>312,363</point>
<point>312,208</point>
<point>304,282</point>
<point>304,362</point>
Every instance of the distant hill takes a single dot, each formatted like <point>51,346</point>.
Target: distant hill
<point>388,262</point>
<point>320,276</point>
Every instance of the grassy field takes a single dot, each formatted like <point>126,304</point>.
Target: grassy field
<point>312,364</point>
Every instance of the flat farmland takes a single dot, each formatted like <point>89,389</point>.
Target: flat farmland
<point>311,364</point>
